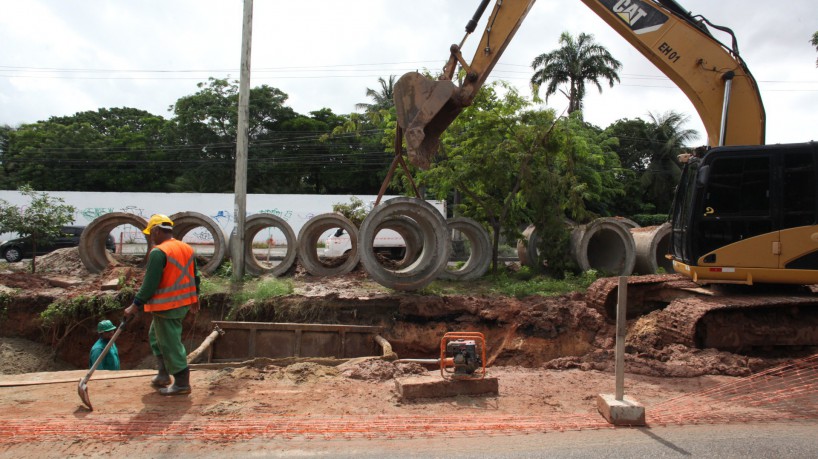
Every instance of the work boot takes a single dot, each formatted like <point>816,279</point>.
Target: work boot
<point>181,384</point>
<point>162,378</point>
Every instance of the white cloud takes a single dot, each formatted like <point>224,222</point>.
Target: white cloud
<point>325,53</point>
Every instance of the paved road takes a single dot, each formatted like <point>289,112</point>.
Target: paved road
<point>787,440</point>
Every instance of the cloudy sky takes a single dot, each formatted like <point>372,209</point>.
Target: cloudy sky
<point>59,57</point>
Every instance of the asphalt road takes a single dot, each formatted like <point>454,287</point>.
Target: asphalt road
<point>785,440</point>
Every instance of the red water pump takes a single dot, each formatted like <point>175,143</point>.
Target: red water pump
<point>462,354</point>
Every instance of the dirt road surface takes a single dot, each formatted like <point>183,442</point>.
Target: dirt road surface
<point>309,407</point>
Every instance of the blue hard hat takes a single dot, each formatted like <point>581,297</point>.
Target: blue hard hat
<point>105,326</point>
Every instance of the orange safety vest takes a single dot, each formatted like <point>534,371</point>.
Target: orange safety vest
<point>178,285</point>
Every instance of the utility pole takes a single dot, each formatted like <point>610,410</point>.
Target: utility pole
<point>242,133</point>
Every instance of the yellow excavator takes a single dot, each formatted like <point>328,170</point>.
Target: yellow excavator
<point>744,212</point>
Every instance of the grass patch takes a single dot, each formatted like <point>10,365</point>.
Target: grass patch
<point>520,284</point>
<point>69,311</point>
<point>264,289</point>
<point>253,297</point>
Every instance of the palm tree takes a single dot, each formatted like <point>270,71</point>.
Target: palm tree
<point>382,98</point>
<point>668,138</point>
<point>577,61</point>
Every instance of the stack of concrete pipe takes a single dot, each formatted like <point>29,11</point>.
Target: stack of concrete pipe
<point>652,244</point>
<point>612,245</point>
<point>425,231</point>
<point>96,258</point>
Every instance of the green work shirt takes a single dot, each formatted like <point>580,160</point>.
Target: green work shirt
<point>153,276</point>
<point>111,360</point>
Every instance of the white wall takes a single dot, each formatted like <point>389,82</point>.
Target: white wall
<point>295,209</point>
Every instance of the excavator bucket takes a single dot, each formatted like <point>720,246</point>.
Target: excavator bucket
<point>425,108</point>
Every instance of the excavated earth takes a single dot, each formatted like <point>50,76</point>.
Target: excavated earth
<point>550,354</point>
<point>558,332</point>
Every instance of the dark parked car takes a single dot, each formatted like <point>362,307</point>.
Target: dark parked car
<point>17,249</point>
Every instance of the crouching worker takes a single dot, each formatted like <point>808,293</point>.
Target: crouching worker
<point>170,289</point>
<point>111,361</point>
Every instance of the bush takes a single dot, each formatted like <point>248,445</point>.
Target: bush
<point>650,219</point>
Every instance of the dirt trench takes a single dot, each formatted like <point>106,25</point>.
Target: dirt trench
<point>559,332</point>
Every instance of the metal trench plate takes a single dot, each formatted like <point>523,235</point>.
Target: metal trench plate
<point>248,340</point>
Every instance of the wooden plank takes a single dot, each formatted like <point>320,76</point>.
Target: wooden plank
<point>59,379</point>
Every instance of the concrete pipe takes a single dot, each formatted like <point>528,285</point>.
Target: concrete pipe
<point>411,235</point>
<point>652,244</point>
<point>95,257</point>
<point>185,222</point>
<point>630,224</point>
<point>253,225</point>
<point>527,250</point>
<point>605,245</point>
<point>308,241</point>
<point>433,256</point>
<point>480,254</point>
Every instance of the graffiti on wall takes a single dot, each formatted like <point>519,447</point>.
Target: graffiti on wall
<point>92,213</point>
<point>283,214</point>
<point>222,218</point>
<point>296,210</point>
<point>138,211</point>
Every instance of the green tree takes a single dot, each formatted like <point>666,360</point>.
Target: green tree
<point>648,152</point>
<point>514,166</point>
<point>815,43</point>
<point>481,157</point>
<point>355,210</point>
<point>288,152</point>
<point>41,219</point>
<point>382,99</point>
<point>318,155</point>
<point>5,132</point>
<point>633,146</point>
<point>118,149</point>
<point>668,138</point>
<point>576,62</point>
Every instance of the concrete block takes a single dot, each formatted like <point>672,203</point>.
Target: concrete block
<point>110,284</point>
<point>414,387</point>
<point>625,412</point>
<point>62,281</point>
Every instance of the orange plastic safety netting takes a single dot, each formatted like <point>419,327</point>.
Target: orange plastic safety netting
<point>787,392</point>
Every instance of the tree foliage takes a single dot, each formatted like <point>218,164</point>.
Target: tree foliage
<point>577,61</point>
<point>382,99</point>
<point>514,166</point>
<point>126,149</point>
<point>815,44</point>
<point>40,220</point>
<point>648,152</point>
<point>109,149</point>
<point>355,211</point>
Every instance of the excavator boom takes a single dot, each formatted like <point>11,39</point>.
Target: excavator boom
<point>713,76</point>
<point>425,108</point>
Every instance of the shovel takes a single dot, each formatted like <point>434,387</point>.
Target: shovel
<point>82,388</point>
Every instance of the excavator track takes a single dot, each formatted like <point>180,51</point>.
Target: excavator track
<point>729,318</point>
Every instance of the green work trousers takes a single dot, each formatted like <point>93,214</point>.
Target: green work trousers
<point>165,337</point>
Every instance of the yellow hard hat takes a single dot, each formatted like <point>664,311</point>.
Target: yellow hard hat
<point>159,220</point>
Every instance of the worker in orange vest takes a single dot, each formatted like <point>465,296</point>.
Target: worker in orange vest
<point>169,290</point>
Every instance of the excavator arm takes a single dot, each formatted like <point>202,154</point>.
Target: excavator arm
<point>712,75</point>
